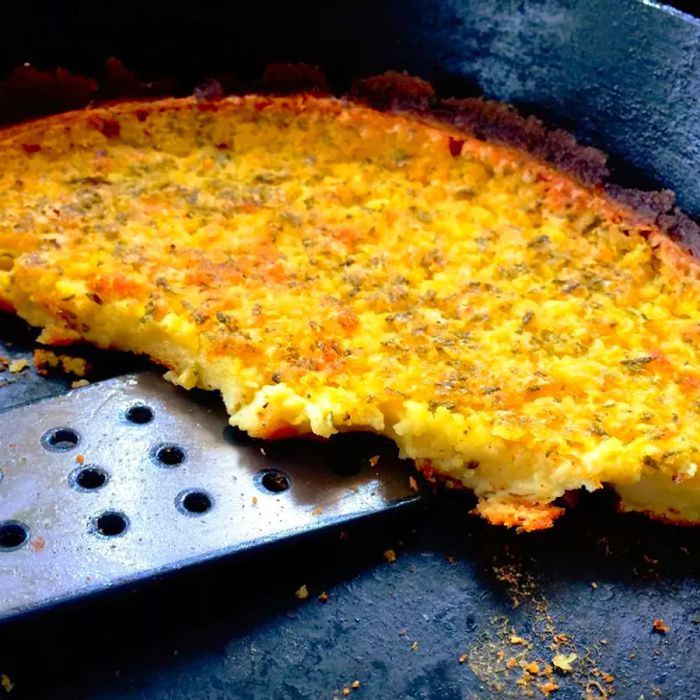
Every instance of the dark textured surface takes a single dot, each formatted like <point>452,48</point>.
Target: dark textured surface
<point>622,75</point>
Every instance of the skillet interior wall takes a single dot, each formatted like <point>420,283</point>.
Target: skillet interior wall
<point>620,75</point>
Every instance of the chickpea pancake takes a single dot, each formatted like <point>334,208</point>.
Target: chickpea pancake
<point>329,267</point>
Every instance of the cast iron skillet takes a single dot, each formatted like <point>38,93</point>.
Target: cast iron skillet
<point>621,75</point>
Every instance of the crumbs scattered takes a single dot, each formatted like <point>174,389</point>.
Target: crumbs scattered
<point>324,597</point>
<point>349,688</point>
<point>594,585</point>
<point>374,460</point>
<point>254,500</point>
<point>79,383</point>
<point>80,459</point>
<point>302,592</point>
<point>514,665</point>
<point>660,627</point>
<point>412,484</point>
<point>390,555</point>
<point>317,510</point>
<point>45,360</point>
<point>414,646</point>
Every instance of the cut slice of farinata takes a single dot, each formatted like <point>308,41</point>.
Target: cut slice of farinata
<point>329,267</point>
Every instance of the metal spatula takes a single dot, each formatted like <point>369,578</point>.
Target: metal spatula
<point>131,477</point>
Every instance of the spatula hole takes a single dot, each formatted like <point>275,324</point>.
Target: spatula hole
<point>169,455</point>
<point>273,481</point>
<point>139,414</point>
<point>60,439</point>
<point>13,535</point>
<point>111,523</point>
<point>89,478</point>
<point>194,502</point>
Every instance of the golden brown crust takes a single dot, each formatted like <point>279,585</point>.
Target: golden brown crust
<point>658,208</point>
<point>394,91</point>
<point>524,516</point>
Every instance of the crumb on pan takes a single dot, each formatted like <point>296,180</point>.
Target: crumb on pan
<point>17,366</point>
<point>563,662</point>
<point>659,626</point>
<point>5,682</point>
<point>549,687</point>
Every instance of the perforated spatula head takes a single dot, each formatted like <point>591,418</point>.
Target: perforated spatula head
<point>132,477</point>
